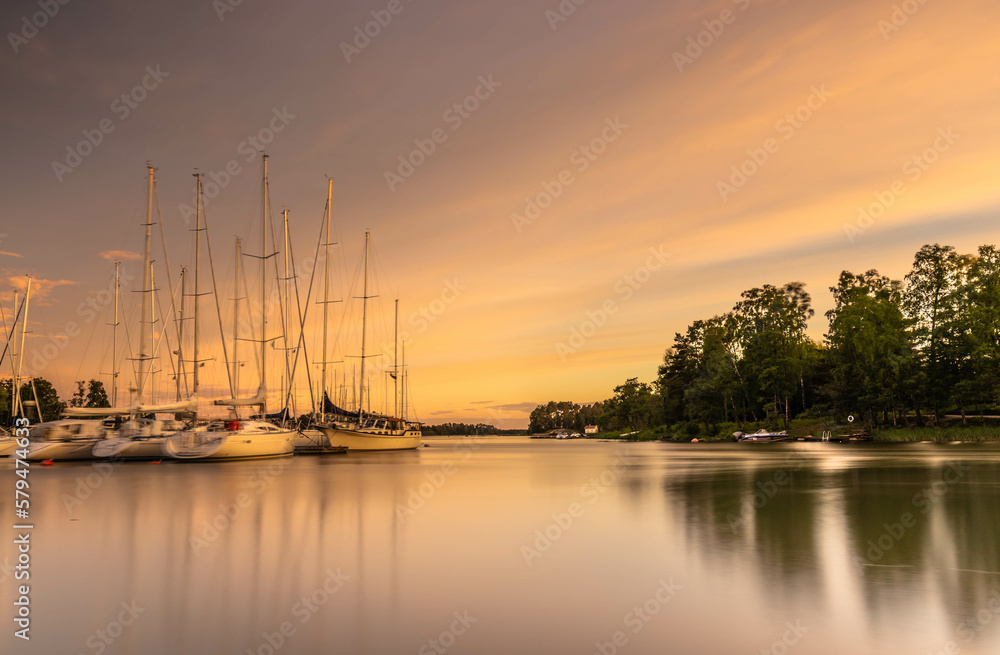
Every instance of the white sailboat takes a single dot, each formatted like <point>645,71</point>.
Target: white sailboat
<point>142,435</point>
<point>235,438</point>
<point>372,432</point>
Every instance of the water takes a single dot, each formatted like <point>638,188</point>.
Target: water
<point>515,546</point>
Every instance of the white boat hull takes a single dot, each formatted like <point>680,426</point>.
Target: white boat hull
<point>130,448</point>
<point>235,444</point>
<point>61,450</point>
<point>7,446</point>
<point>358,440</point>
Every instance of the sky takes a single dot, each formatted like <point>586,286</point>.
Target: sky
<point>552,189</point>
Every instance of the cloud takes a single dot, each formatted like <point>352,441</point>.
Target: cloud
<point>516,407</point>
<point>112,255</point>
<point>11,254</point>
<point>41,288</point>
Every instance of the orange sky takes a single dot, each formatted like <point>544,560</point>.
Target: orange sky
<point>885,97</point>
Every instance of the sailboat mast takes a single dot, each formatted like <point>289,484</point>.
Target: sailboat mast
<point>145,326</point>
<point>395,364</point>
<point>326,296</point>
<point>263,294</point>
<point>364,333</point>
<point>236,317</point>
<point>20,355</point>
<point>404,381</point>
<point>153,341</point>
<point>114,343</point>
<point>287,396</point>
<point>180,333</point>
<point>197,288</point>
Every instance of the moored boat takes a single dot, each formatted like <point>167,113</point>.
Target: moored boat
<point>762,436</point>
<point>65,440</point>
<point>231,439</point>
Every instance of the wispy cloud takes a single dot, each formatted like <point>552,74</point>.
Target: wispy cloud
<point>11,254</point>
<point>113,255</point>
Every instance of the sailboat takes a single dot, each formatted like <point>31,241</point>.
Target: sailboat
<point>371,432</point>
<point>142,435</point>
<point>52,440</point>
<point>235,438</point>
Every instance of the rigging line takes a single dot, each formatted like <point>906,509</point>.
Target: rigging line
<point>10,335</point>
<point>155,349</point>
<point>246,294</point>
<point>163,244</point>
<point>164,331</point>
<point>278,292</point>
<point>218,308</point>
<point>128,351</point>
<point>302,320</point>
<point>90,339</point>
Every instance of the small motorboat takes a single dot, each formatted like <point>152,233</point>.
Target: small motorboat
<point>761,436</point>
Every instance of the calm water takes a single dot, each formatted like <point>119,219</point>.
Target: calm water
<point>537,546</point>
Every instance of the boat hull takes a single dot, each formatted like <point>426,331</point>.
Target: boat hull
<point>7,446</point>
<point>61,451</point>
<point>208,446</point>
<point>130,448</point>
<point>355,440</point>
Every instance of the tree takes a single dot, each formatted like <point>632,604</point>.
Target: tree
<point>769,326</point>
<point>979,333</point>
<point>96,395</point>
<point>871,355</point>
<point>49,405</point>
<point>930,300</point>
<point>631,407</point>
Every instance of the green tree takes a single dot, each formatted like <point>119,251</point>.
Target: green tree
<point>769,328</point>
<point>871,355</point>
<point>931,301</point>
<point>96,395</point>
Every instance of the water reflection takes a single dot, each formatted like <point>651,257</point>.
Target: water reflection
<point>874,549</point>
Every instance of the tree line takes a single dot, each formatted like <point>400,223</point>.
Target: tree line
<point>896,352</point>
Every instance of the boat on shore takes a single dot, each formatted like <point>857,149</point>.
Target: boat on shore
<point>762,436</point>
